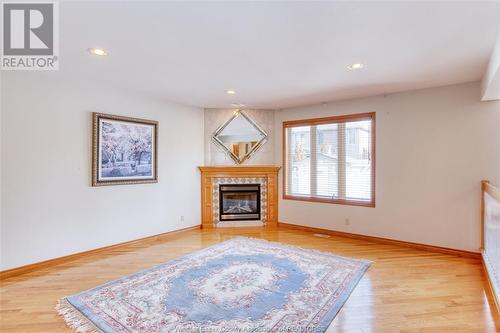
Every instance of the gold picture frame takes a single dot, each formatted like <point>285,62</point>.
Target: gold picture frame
<point>124,150</point>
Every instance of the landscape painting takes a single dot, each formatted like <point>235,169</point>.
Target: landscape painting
<point>124,150</point>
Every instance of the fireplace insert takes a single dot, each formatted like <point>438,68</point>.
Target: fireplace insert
<point>239,202</point>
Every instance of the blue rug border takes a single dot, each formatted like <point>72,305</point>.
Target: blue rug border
<point>321,328</point>
<point>332,313</point>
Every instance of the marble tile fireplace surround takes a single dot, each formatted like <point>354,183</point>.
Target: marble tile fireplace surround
<point>229,197</point>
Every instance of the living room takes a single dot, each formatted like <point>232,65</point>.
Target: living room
<point>250,166</point>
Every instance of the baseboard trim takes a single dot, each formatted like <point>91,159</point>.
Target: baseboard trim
<point>56,261</point>
<point>496,300</point>
<point>419,246</point>
<point>71,257</point>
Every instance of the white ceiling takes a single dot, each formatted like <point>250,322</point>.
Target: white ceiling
<point>276,54</point>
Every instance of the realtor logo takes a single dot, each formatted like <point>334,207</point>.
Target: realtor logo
<point>29,36</point>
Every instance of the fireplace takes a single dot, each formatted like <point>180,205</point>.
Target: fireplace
<point>239,202</point>
<point>212,177</point>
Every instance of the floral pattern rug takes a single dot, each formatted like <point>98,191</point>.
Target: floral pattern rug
<point>240,285</point>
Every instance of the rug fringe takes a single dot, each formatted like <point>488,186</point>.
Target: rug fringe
<point>74,318</point>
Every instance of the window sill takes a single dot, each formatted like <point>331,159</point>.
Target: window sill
<point>331,201</point>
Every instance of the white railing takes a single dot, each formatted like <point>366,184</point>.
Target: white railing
<point>490,240</point>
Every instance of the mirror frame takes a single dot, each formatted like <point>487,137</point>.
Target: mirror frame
<point>259,144</point>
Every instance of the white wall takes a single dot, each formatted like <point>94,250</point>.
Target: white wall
<point>434,146</point>
<point>1,163</point>
<point>49,208</point>
<point>214,155</point>
<point>490,84</point>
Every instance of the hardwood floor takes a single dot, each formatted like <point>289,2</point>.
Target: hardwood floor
<point>405,290</point>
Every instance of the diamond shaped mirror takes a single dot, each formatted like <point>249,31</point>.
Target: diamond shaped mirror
<point>240,137</point>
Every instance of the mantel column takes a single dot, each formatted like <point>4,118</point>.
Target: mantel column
<point>206,202</point>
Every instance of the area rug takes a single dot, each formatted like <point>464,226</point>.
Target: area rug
<point>240,285</point>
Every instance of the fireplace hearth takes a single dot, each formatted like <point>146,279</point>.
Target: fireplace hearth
<point>239,202</point>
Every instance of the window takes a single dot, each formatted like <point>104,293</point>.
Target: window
<point>330,159</point>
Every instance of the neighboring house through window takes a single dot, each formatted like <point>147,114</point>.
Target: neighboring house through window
<point>330,159</point>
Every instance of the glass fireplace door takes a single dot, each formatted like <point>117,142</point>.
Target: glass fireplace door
<point>239,202</point>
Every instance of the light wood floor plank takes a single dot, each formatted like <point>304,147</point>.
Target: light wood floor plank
<point>405,290</point>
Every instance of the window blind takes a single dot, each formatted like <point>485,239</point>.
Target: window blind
<point>330,159</point>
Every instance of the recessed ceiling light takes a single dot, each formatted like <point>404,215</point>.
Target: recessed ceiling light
<point>230,92</point>
<point>98,52</point>
<point>355,66</point>
<point>237,105</point>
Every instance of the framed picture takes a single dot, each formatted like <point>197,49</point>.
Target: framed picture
<point>124,150</point>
